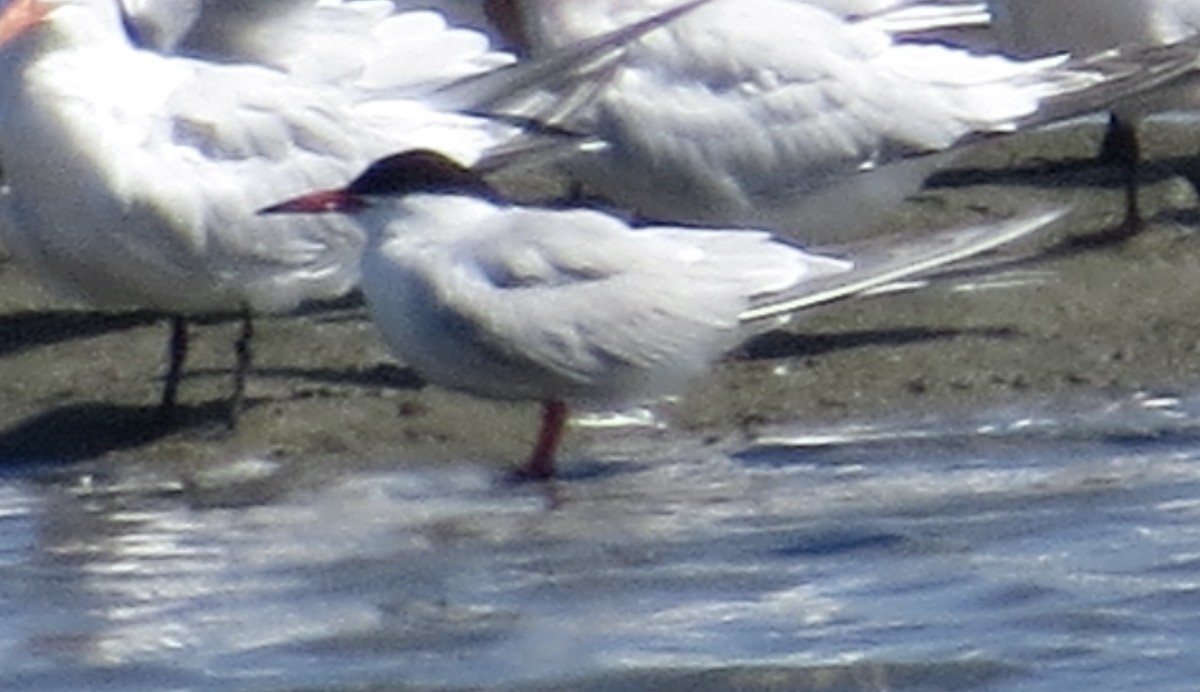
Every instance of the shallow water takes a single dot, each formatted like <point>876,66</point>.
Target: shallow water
<point>997,552</point>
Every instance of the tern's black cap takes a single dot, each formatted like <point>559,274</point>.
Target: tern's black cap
<point>419,170</point>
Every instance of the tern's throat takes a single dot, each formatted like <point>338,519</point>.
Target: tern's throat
<point>425,219</point>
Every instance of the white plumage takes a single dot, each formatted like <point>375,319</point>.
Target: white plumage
<point>133,175</point>
<point>576,306</point>
<point>369,44</point>
<point>770,112</point>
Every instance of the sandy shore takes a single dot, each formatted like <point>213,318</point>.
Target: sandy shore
<point>1069,316</point>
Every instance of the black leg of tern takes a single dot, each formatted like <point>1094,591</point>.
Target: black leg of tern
<point>177,349</point>
<point>243,359</point>
<point>1121,147</point>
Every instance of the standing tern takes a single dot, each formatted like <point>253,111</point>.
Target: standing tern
<point>133,176</point>
<point>1030,28</point>
<point>810,117</point>
<point>576,307</point>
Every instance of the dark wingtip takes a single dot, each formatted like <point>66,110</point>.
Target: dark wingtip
<point>418,170</point>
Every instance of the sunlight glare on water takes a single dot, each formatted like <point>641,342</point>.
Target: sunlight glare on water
<point>1026,552</point>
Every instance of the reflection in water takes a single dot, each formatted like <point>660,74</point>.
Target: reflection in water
<point>1032,553</point>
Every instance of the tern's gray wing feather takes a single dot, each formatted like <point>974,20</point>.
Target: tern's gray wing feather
<point>888,260</point>
<point>579,299</point>
<point>368,45</point>
<point>171,166</point>
<point>248,113</point>
<point>921,18</point>
<point>551,87</point>
<point>246,137</point>
<point>222,141</point>
<point>747,116</point>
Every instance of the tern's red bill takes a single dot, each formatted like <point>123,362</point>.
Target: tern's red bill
<point>19,17</point>
<point>338,200</point>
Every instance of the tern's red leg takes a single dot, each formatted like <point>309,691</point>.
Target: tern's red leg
<point>541,462</point>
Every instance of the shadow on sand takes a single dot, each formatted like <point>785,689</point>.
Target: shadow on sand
<point>782,344</point>
<point>22,331</point>
<point>78,432</point>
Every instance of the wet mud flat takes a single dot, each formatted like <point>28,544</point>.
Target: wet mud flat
<point>1067,315</point>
